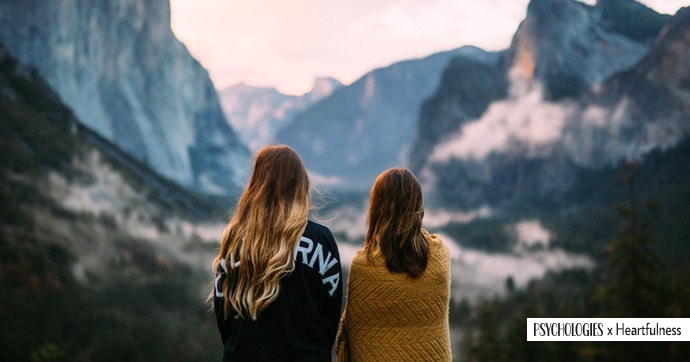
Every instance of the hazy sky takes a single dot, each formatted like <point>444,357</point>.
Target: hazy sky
<point>288,43</point>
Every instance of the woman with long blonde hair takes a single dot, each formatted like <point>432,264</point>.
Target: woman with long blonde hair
<point>399,283</point>
<point>277,292</point>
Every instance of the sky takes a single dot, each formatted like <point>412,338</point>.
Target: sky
<point>287,44</point>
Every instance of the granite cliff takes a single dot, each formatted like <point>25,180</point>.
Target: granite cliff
<point>123,73</point>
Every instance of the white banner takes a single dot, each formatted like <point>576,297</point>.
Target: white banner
<point>608,329</point>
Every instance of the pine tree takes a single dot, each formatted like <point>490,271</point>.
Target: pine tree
<point>630,286</point>
<point>489,344</point>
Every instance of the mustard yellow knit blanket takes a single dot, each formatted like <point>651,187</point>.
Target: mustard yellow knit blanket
<point>392,317</point>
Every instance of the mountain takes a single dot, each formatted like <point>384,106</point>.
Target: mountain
<point>639,109</point>
<point>97,249</point>
<point>123,73</point>
<point>569,46</point>
<point>346,139</point>
<point>468,86</point>
<point>258,114</point>
<point>574,90</point>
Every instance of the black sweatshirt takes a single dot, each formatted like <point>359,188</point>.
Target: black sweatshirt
<point>301,324</point>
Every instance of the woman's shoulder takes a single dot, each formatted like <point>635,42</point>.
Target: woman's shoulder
<point>360,256</point>
<point>319,234</point>
<point>315,228</point>
<point>316,231</point>
<point>433,239</point>
<point>436,244</point>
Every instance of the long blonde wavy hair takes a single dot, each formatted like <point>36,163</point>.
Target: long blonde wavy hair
<point>258,242</point>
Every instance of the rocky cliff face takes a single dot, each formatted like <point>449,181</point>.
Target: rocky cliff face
<point>568,47</point>
<point>258,114</point>
<point>468,86</point>
<point>350,136</point>
<point>639,109</point>
<point>118,66</point>
<point>582,90</point>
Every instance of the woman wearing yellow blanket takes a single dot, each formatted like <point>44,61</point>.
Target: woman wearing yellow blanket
<point>399,283</point>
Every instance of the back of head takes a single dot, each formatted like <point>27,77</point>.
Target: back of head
<point>269,219</point>
<point>395,222</point>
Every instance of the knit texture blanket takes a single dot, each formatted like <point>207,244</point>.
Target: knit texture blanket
<point>392,317</point>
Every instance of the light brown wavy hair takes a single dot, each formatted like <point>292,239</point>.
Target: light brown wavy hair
<point>395,217</point>
<point>263,232</point>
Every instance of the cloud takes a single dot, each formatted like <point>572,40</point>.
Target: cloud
<point>323,180</point>
<point>479,274</point>
<point>530,233</point>
<point>474,273</point>
<point>437,218</point>
<point>523,119</point>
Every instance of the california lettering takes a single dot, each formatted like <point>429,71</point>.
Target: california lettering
<point>312,255</point>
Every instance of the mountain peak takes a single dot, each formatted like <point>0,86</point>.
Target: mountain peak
<point>323,87</point>
<point>667,62</point>
<point>566,46</point>
<point>616,15</point>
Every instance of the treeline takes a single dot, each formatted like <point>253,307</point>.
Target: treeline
<point>154,314</point>
<point>643,271</point>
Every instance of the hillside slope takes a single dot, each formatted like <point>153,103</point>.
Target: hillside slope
<point>99,255</point>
